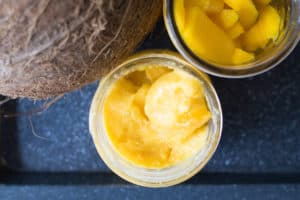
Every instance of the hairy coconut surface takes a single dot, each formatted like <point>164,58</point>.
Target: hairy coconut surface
<point>49,47</point>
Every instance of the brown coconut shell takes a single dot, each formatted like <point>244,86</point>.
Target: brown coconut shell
<point>49,47</point>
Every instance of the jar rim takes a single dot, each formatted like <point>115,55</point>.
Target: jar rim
<point>288,43</point>
<point>157,178</point>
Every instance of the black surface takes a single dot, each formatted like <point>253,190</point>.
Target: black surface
<point>258,150</point>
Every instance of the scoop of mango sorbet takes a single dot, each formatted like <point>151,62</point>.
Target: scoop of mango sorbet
<point>157,117</point>
<point>228,32</point>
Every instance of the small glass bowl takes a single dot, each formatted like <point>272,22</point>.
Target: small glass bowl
<point>289,10</point>
<point>154,177</point>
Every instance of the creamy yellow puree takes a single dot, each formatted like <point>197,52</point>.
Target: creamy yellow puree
<point>156,117</point>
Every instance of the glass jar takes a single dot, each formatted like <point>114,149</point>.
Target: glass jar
<point>154,177</point>
<point>289,11</point>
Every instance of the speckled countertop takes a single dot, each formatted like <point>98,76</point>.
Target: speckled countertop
<point>260,136</point>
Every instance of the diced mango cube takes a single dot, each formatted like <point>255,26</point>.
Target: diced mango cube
<point>241,57</point>
<point>206,39</point>
<point>226,18</point>
<point>179,8</point>
<point>209,6</point>
<point>214,6</point>
<point>192,3</point>
<point>238,43</point>
<point>246,10</point>
<point>235,31</point>
<point>261,3</point>
<point>266,29</point>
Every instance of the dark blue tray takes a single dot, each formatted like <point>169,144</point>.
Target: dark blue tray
<point>258,151</point>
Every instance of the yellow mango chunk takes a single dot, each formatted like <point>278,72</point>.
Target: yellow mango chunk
<point>209,6</point>
<point>235,31</point>
<point>226,18</point>
<point>205,38</point>
<point>214,6</point>
<point>241,57</point>
<point>266,29</point>
<point>261,3</point>
<point>246,10</point>
<point>180,13</point>
<point>238,43</point>
<point>191,3</point>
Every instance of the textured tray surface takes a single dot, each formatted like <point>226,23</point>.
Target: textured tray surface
<point>262,119</point>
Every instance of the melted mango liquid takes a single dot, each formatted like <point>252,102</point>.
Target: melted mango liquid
<point>156,117</point>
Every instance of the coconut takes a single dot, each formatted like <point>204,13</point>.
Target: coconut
<point>49,47</point>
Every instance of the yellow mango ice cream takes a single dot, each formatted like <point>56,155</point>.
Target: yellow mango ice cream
<point>228,32</point>
<point>156,117</point>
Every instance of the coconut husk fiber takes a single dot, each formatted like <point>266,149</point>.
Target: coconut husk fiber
<point>49,47</point>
